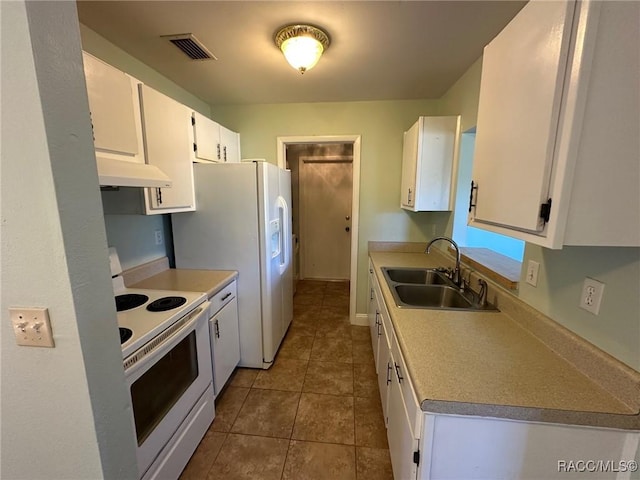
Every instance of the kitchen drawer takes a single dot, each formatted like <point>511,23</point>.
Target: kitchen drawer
<point>414,413</point>
<point>223,297</point>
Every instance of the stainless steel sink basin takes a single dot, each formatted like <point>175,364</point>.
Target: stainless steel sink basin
<point>421,276</point>
<point>431,296</point>
<point>430,288</point>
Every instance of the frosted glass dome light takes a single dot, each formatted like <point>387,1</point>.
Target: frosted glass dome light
<point>302,45</point>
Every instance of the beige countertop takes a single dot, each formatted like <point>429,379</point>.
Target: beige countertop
<point>186,280</point>
<point>486,364</point>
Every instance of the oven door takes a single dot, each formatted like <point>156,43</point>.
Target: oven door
<point>166,378</point>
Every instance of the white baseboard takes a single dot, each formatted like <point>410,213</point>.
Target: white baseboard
<point>360,319</point>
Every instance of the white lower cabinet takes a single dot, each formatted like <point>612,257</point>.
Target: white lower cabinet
<point>225,336</point>
<point>433,446</point>
<point>479,448</point>
<point>402,443</point>
<point>373,316</point>
<point>384,367</point>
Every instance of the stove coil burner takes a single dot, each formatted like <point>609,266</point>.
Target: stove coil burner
<point>125,334</point>
<point>166,303</point>
<point>129,301</point>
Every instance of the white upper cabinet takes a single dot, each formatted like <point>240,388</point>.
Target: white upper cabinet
<point>115,111</point>
<point>556,154</point>
<point>206,133</point>
<point>168,136</point>
<point>230,145</point>
<point>429,150</point>
<point>213,142</point>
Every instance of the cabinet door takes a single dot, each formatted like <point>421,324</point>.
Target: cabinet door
<point>373,316</point>
<point>522,82</point>
<point>402,445</point>
<point>428,154</point>
<point>225,343</point>
<point>384,369</point>
<point>112,102</point>
<point>409,165</point>
<point>206,138</point>
<point>230,144</point>
<point>169,143</point>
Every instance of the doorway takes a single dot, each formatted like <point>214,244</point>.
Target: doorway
<point>325,174</point>
<point>325,184</point>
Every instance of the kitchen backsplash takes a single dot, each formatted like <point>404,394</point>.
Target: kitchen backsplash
<point>134,237</point>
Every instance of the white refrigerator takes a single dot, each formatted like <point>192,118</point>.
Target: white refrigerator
<point>243,222</point>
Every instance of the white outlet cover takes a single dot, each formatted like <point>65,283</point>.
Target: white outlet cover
<point>591,296</point>
<point>532,273</point>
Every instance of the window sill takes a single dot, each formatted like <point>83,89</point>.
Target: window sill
<point>501,269</point>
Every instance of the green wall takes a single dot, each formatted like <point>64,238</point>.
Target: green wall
<point>616,329</point>
<point>381,126</point>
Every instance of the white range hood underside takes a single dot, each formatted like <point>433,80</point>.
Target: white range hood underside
<point>118,173</point>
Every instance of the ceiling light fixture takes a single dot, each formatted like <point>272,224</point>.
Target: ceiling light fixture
<point>302,45</point>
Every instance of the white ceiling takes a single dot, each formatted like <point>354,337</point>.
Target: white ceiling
<point>380,50</point>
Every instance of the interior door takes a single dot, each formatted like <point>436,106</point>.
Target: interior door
<point>326,185</point>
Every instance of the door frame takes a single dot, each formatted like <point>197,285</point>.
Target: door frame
<point>282,143</point>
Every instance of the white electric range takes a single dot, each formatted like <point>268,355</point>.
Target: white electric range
<point>167,364</point>
<point>144,314</point>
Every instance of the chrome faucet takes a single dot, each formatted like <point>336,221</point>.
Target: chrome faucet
<point>455,277</point>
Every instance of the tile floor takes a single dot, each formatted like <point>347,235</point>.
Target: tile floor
<point>315,414</point>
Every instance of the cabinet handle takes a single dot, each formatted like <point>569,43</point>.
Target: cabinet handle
<point>474,186</point>
<point>217,329</point>
<point>379,332</point>
<point>388,373</point>
<point>371,270</point>
<point>371,295</point>
<point>218,150</point>
<point>159,196</point>
<point>409,197</point>
<point>400,377</point>
<point>377,314</point>
<point>225,297</point>
<point>225,153</point>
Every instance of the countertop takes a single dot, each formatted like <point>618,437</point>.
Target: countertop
<point>187,280</point>
<point>486,364</point>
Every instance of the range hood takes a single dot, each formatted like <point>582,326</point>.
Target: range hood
<point>119,173</point>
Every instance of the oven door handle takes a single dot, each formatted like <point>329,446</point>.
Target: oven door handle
<point>164,342</point>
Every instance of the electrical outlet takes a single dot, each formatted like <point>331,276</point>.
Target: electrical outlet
<point>532,273</point>
<point>591,297</point>
<point>158,234</point>
<point>32,327</point>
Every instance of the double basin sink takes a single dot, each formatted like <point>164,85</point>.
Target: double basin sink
<point>430,288</point>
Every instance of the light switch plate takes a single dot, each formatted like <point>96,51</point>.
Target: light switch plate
<point>32,327</point>
<point>532,273</point>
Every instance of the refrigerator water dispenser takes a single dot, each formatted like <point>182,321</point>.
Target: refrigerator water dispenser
<point>274,230</point>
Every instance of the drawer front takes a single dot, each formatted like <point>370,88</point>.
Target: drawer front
<point>410,403</point>
<point>223,297</point>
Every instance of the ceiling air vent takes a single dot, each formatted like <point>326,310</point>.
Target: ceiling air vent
<point>191,46</point>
